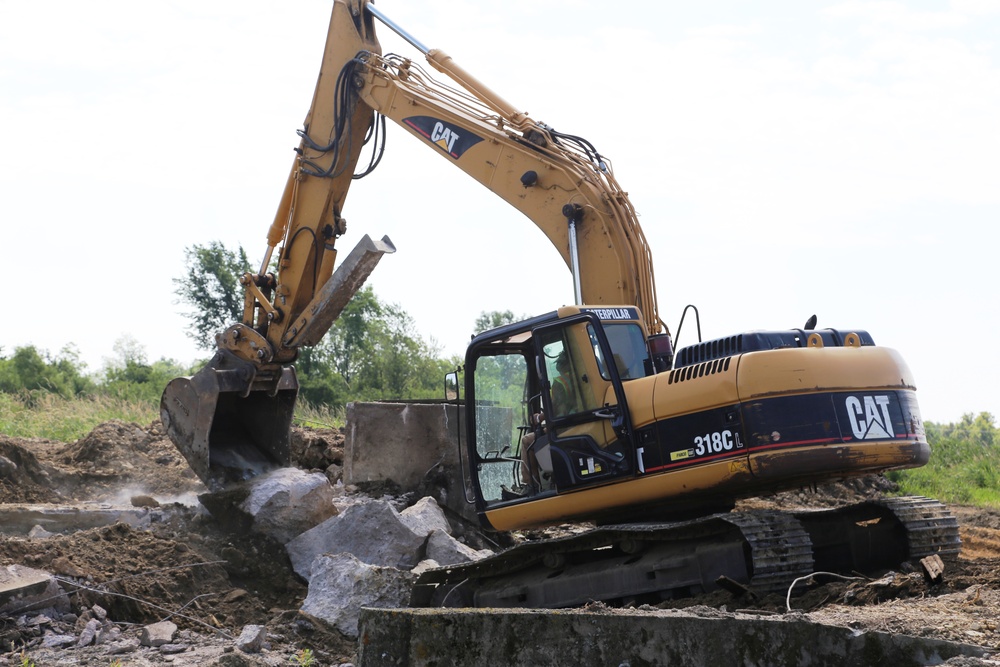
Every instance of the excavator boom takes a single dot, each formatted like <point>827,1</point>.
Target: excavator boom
<point>560,181</point>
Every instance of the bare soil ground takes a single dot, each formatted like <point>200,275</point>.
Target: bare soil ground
<point>212,582</point>
<point>186,566</point>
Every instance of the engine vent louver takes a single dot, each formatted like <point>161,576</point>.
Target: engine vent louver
<point>699,370</point>
<point>709,350</point>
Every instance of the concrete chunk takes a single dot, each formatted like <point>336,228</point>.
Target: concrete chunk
<point>26,589</point>
<point>288,501</point>
<point>341,585</point>
<point>252,638</point>
<point>158,634</point>
<point>372,531</point>
<point>446,550</point>
<point>425,516</point>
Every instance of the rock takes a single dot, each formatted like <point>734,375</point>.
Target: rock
<point>7,467</point>
<point>144,501</point>
<point>171,649</point>
<point>58,641</point>
<point>424,565</point>
<point>67,568</point>
<point>157,634</point>
<point>425,516</point>
<point>288,501</point>
<point>37,532</point>
<point>372,531</point>
<point>109,632</point>
<point>446,550</point>
<point>342,584</point>
<point>933,568</point>
<point>235,595</point>
<point>252,638</point>
<point>89,633</point>
<point>123,647</point>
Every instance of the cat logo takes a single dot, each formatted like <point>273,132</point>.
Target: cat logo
<point>445,137</point>
<point>452,140</point>
<point>869,417</point>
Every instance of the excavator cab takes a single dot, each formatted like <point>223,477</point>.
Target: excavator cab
<point>547,409</point>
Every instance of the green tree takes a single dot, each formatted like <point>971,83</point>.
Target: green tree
<point>496,318</point>
<point>31,370</point>
<point>371,352</point>
<point>128,374</point>
<point>211,287</point>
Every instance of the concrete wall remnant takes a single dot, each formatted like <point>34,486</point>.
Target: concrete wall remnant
<point>638,638</point>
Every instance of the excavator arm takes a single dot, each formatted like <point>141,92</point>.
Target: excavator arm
<point>238,409</point>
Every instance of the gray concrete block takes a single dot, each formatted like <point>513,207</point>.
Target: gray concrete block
<point>372,531</point>
<point>287,502</point>
<point>414,445</point>
<point>638,638</point>
<point>341,585</point>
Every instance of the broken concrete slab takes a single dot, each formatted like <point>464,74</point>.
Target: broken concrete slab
<point>393,544</point>
<point>425,516</point>
<point>446,550</point>
<point>693,636</point>
<point>341,585</point>
<point>24,589</point>
<point>25,519</point>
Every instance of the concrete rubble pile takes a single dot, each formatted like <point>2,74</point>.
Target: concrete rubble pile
<point>91,627</point>
<point>366,553</point>
<point>353,550</point>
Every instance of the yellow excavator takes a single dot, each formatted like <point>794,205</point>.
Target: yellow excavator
<point>581,414</point>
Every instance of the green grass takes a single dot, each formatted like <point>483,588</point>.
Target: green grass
<point>318,416</point>
<point>50,416</point>
<point>959,472</point>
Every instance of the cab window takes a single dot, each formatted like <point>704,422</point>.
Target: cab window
<point>628,347</point>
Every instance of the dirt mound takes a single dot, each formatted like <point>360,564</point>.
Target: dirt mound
<point>23,478</point>
<point>186,566</point>
<point>112,463</point>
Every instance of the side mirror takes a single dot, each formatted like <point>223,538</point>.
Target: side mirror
<point>451,387</point>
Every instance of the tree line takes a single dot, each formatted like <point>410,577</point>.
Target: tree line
<point>372,352</point>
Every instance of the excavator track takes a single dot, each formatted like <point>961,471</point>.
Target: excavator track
<point>763,551</point>
<point>930,526</point>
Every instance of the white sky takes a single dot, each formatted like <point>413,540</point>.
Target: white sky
<point>786,158</point>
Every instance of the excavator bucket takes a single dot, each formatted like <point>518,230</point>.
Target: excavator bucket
<point>232,420</point>
<point>229,422</point>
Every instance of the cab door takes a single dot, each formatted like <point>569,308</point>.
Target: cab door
<point>588,434</point>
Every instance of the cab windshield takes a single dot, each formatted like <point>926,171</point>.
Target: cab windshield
<point>628,347</point>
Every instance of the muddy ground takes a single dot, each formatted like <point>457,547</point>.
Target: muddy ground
<point>212,582</point>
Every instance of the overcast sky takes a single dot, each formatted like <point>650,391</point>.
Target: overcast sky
<point>786,158</point>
